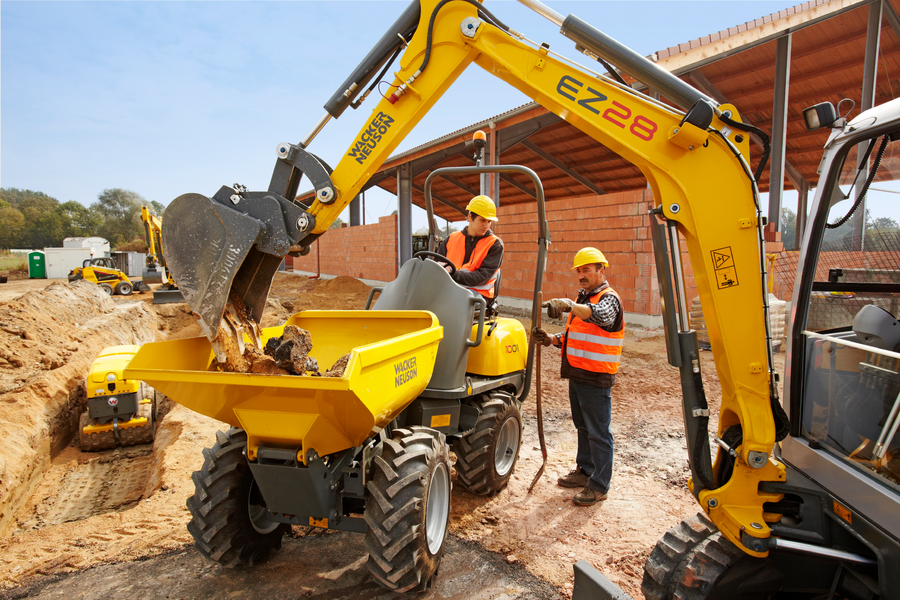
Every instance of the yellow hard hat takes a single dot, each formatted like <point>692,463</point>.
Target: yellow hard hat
<point>483,207</point>
<point>589,255</point>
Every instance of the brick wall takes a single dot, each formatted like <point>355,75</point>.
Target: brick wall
<point>617,224</point>
<point>364,252</point>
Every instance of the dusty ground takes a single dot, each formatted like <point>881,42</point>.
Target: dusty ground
<point>123,505</point>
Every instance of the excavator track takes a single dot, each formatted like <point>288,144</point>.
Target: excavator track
<point>672,553</point>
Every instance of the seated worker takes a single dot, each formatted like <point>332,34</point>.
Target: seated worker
<point>475,251</point>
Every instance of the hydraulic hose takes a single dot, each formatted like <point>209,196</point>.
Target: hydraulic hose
<point>869,179</point>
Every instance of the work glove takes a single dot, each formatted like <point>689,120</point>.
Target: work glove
<point>542,337</point>
<point>558,306</point>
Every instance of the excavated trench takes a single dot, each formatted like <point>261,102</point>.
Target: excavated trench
<point>79,484</point>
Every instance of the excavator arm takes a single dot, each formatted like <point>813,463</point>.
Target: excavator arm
<point>696,160</point>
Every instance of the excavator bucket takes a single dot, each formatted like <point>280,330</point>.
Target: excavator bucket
<point>210,250</point>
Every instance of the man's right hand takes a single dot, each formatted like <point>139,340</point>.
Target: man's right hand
<point>541,335</point>
<point>558,306</point>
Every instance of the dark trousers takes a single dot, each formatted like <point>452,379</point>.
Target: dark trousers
<point>591,414</point>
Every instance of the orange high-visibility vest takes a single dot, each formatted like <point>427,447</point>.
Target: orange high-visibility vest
<point>590,347</point>
<point>456,253</point>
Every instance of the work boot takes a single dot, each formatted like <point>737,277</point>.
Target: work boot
<point>575,479</point>
<point>587,497</point>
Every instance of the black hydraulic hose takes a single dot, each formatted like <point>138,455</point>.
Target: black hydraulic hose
<point>612,71</point>
<point>377,79</point>
<point>481,10</point>
<point>767,148</point>
<point>869,179</point>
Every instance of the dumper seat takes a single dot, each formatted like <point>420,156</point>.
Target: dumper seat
<point>425,285</point>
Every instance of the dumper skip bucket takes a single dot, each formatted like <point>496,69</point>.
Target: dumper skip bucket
<point>392,356</point>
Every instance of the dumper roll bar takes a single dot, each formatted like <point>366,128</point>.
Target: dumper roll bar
<point>543,237</point>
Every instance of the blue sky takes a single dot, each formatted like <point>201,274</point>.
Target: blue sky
<point>165,98</point>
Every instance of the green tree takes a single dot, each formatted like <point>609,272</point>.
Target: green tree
<point>882,224</point>
<point>12,227</point>
<point>156,208</point>
<point>120,211</point>
<point>16,197</point>
<point>338,223</point>
<point>78,219</point>
<point>788,227</point>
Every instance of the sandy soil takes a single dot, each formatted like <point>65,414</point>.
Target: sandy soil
<point>86,509</point>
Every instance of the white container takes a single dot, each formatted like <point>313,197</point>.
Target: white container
<point>62,260</point>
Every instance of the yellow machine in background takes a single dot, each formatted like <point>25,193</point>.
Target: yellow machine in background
<point>155,270</point>
<point>120,411</point>
<point>111,279</point>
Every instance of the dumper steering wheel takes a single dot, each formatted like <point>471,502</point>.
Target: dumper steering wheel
<point>423,254</point>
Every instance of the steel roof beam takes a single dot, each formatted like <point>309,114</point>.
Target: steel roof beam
<point>562,167</point>
<point>779,129</point>
<point>440,199</point>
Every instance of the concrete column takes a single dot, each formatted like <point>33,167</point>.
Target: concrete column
<point>355,209</point>
<point>404,213</point>
<point>870,70</point>
<point>779,129</point>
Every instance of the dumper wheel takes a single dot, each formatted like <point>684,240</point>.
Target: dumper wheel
<point>107,289</point>
<point>94,442</point>
<point>123,288</point>
<point>486,456</point>
<point>229,522</point>
<point>140,435</point>
<point>408,509</point>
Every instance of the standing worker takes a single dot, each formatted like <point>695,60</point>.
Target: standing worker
<point>475,251</point>
<point>591,348</point>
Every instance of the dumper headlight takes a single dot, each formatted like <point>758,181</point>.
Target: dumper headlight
<point>111,377</point>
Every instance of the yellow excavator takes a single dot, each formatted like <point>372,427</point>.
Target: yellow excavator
<point>792,505</point>
<point>155,270</point>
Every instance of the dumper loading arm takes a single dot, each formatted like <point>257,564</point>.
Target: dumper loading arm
<point>224,250</point>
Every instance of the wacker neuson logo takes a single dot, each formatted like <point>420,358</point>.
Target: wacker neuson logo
<point>405,371</point>
<point>370,137</point>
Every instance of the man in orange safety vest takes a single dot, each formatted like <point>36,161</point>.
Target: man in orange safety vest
<point>591,347</point>
<point>475,251</point>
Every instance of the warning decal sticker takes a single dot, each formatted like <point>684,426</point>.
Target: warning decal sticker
<point>723,267</point>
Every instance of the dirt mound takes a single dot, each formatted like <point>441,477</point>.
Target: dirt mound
<point>293,293</point>
<point>342,285</point>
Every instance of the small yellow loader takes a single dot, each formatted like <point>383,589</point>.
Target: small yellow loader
<point>111,279</point>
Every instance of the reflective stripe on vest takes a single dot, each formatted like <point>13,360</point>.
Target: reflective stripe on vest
<point>591,348</point>
<point>456,253</point>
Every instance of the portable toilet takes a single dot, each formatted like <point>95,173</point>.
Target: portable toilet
<point>37,265</point>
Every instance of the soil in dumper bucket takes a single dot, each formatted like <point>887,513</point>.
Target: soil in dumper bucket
<point>289,355</point>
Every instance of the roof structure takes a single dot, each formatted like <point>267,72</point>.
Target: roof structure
<point>826,41</point>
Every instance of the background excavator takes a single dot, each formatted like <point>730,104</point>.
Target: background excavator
<point>155,270</point>
<point>805,519</point>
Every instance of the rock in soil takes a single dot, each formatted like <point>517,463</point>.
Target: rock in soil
<point>337,369</point>
<point>291,351</point>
